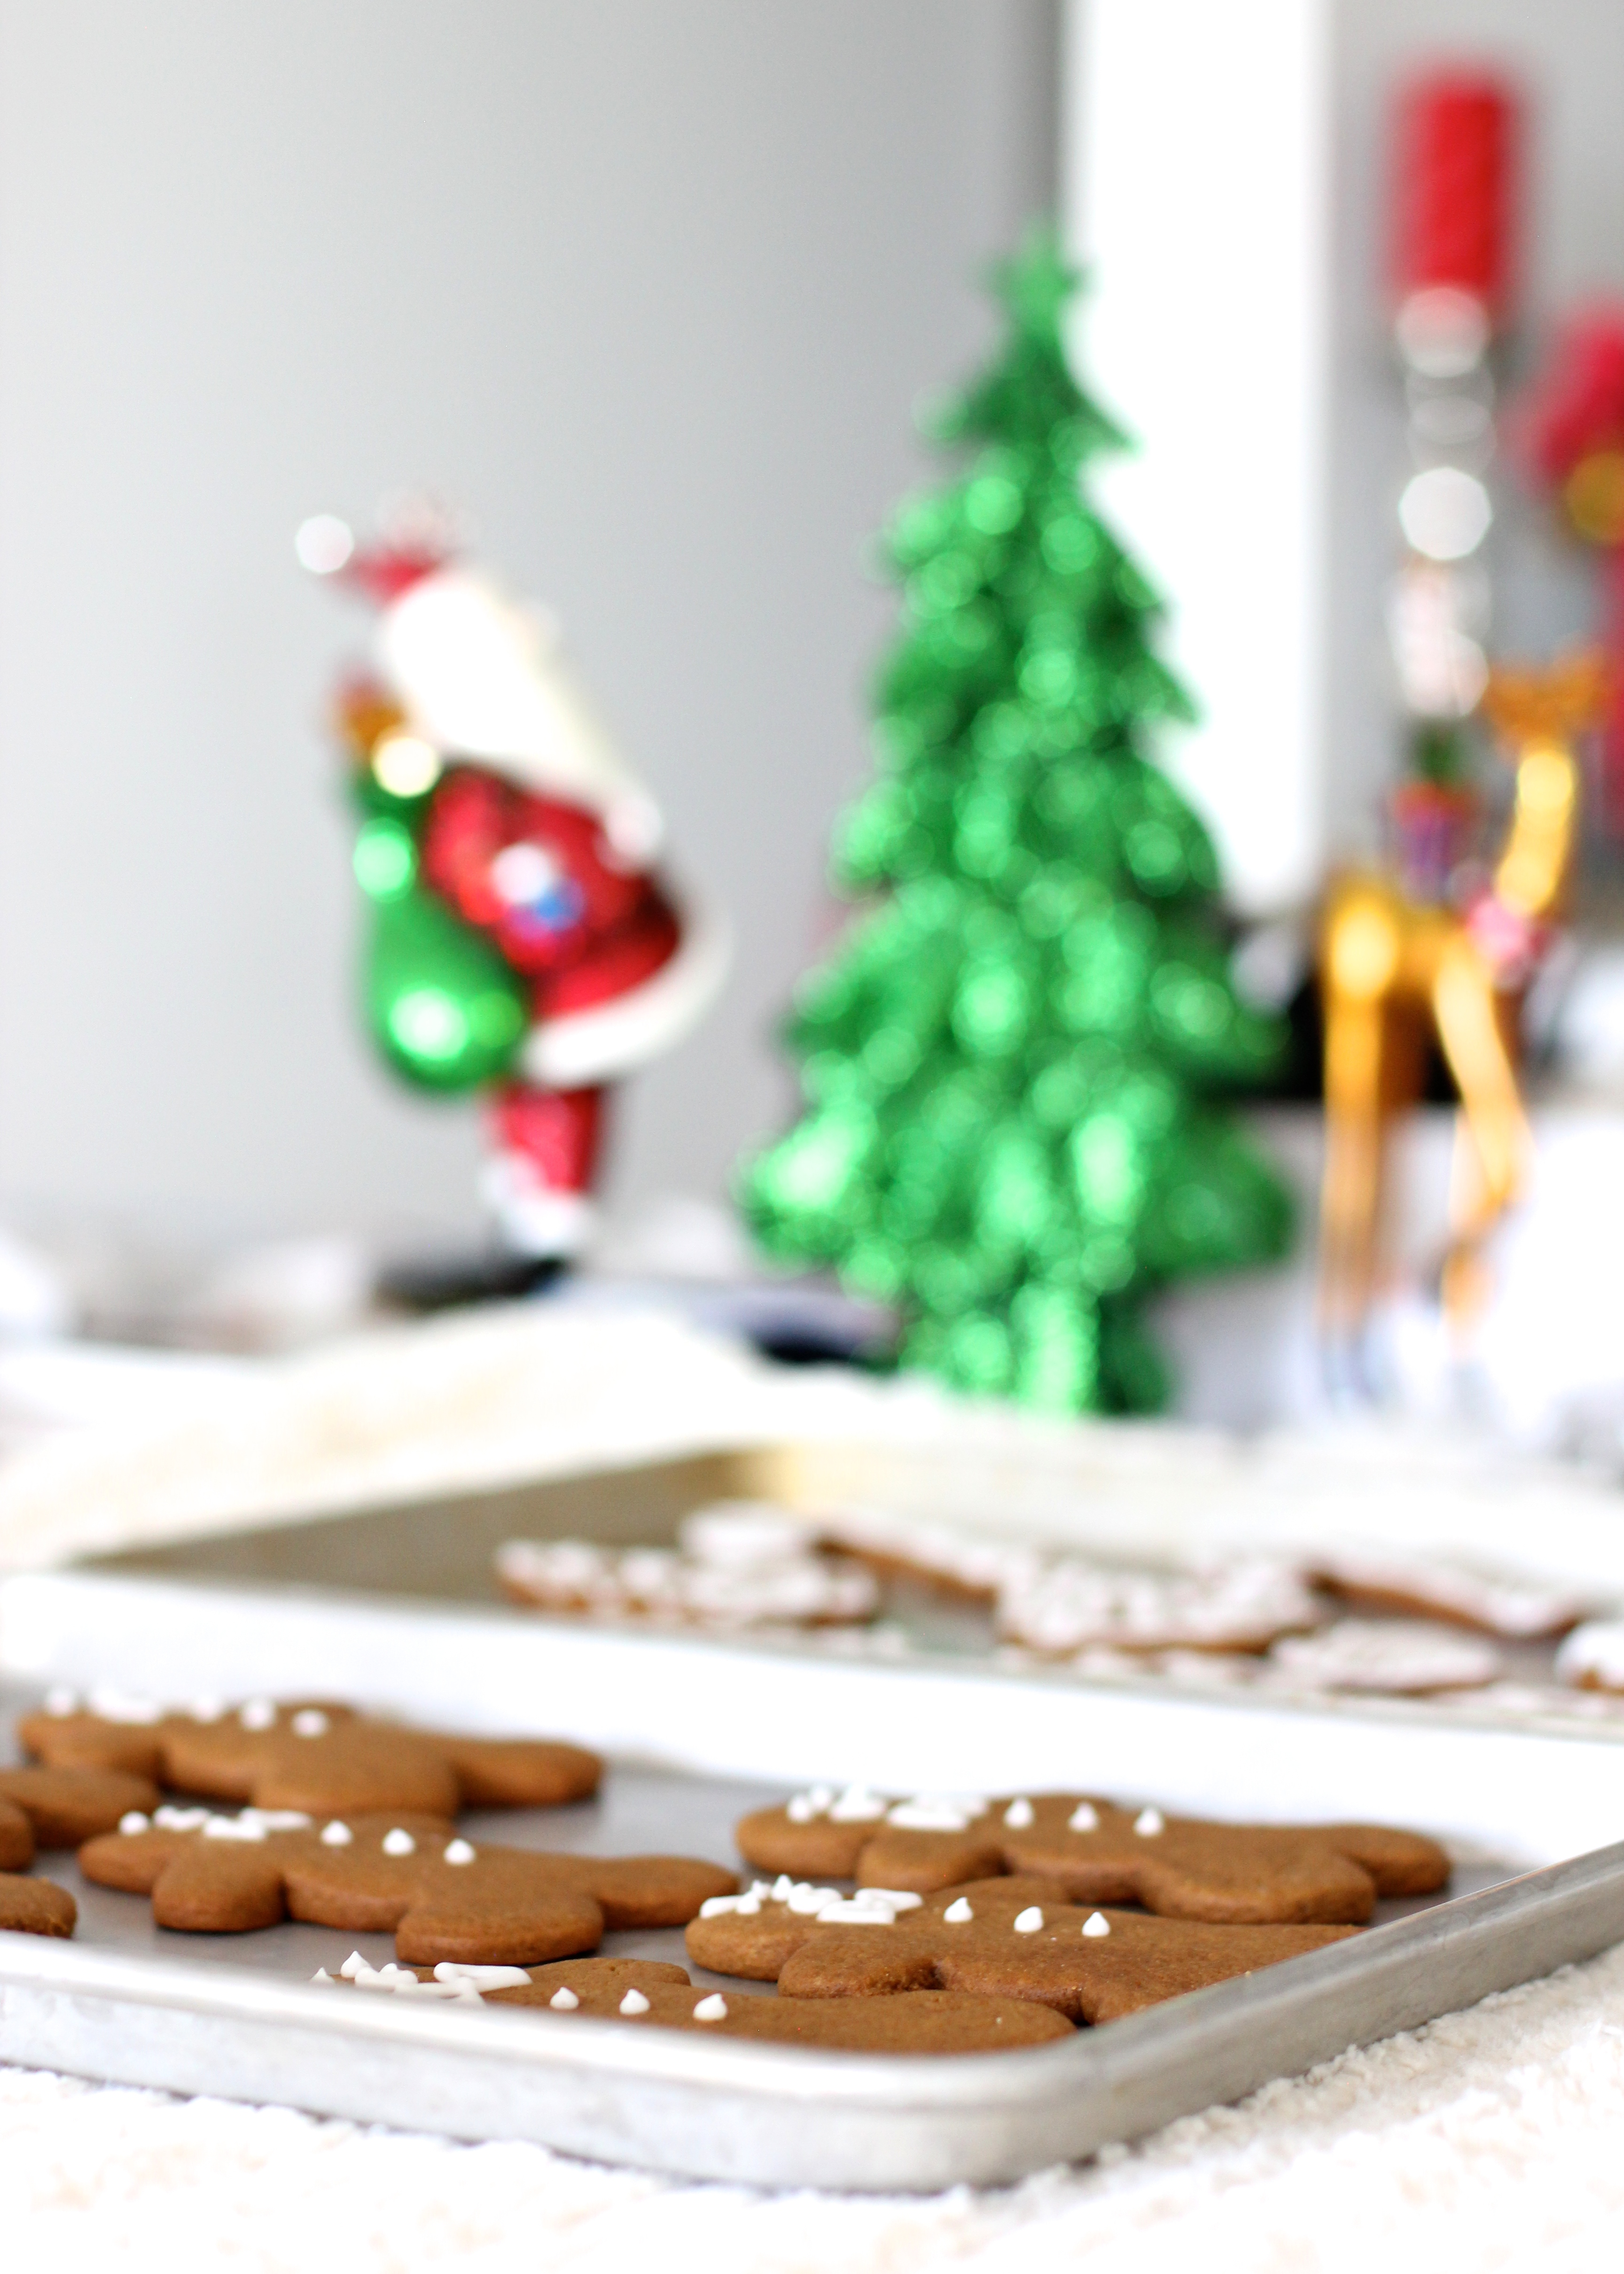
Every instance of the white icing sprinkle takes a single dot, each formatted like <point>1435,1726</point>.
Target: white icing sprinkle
<point>1018,1816</point>
<point>133,1820</point>
<point>277,1820</point>
<point>337,1834</point>
<point>633,2002</point>
<point>459,1852</point>
<point>1096,1924</point>
<point>399,1844</point>
<point>713,2008</point>
<point>309,1723</point>
<point>1083,1818</point>
<point>857,1805</point>
<point>937,1811</point>
<point>180,1820</point>
<point>115,1705</point>
<point>869,1907</point>
<point>60,1702</point>
<point>258,1713</point>
<point>321,1975</point>
<point>804,1899</point>
<point>353,1965</point>
<point>959,1913</point>
<point>482,1978</point>
<point>1029,1921</point>
<point>232,1828</point>
<point>563,2001</point>
<point>206,1709</point>
<point>1149,1822</point>
<point>800,1810</point>
<point>783,1887</point>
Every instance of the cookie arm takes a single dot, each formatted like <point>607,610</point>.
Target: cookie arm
<point>923,1862</point>
<point>849,1961</point>
<point>1400,1862</point>
<point>16,1838</point>
<point>493,1773</point>
<point>645,1891</point>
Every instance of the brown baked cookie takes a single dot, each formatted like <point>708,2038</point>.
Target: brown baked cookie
<point>661,1996</point>
<point>313,1754</point>
<point>1003,1938</point>
<point>1093,1852</point>
<point>35,1907</point>
<point>62,1808</point>
<point>441,1896</point>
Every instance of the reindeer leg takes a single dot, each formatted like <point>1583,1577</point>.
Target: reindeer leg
<point>1361,963</point>
<point>1492,1118</point>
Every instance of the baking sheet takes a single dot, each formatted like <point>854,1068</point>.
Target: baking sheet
<point>236,2015</point>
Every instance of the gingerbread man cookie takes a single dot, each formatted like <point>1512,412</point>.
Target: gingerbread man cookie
<point>1003,1938</point>
<point>1089,1850</point>
<point>662,1997</point>
<point>310,1755</point>
<point>62,1808</point>
<point>443,1896</point>
<point>35,1907</point>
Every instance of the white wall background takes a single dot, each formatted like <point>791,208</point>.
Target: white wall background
<point>650,289</point>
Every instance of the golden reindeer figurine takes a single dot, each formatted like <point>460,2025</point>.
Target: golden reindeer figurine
<point>1393,969</point>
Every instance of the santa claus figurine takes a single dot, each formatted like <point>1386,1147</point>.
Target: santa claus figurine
<point>525,945</point>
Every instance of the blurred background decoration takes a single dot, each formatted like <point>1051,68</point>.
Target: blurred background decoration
<point>524,943</point>
<point>1013,1061</point>
<point>648,294</point>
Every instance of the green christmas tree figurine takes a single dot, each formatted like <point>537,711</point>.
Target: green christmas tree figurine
<point>1015,1062</point>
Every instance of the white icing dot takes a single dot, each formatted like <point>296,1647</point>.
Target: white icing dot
<point>1029,1921</point>
<point>309,1723</point>
<point>1083,1818</point>
<point>482,1978</point>
<point>633,2002</point>
<point>59,1702</point>
<point>276,1820</point>
<point>930,1811</point>
<point>321,1975</point>
<point>1096,1924</point>
<point>959,1913</point>
<point>399,1844</point>
<point>1149,1822</point>
<point>563,2001</point>
<point>713,2008</point>
<point>232,1828</point>
<point>337,1834</point>
<point>180,1820</point>
<point>258,1713</point>
<point>783,1887</point>
<point>459,1852</point>
<point>800,1810</point>
<point>133,1820</point>
<point>1018,1816</point>
<point>353,1965</point>
<point>206,1709</point>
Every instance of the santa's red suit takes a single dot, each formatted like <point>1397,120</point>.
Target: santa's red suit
<point>538,834</point>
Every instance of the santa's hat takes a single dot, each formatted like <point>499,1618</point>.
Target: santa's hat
<point>481,676</point>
